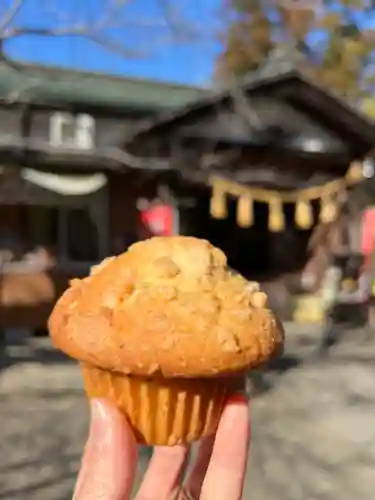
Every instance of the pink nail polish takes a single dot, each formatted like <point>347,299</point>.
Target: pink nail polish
<point>237,398</point>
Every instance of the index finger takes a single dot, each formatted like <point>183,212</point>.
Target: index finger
<point>227,468</point>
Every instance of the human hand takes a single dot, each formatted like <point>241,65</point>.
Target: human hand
<point>110,460</point>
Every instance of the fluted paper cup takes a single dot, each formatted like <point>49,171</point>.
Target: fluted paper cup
<point>162,411</point>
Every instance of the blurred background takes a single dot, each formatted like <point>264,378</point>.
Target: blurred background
<point>246,122</point>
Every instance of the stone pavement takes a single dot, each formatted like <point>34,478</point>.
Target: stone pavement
<point>313,430</point>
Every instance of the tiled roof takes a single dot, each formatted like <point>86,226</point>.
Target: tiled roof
<point>42,84</point>
<point>269,74</point>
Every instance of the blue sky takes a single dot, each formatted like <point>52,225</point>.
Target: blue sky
<point>161,57</point>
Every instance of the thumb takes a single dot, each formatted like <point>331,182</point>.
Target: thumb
<point>110,457</point>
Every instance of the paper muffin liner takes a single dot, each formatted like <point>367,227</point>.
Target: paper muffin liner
<point>162,411</point>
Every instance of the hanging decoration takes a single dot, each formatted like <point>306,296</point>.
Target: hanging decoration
<point>245,211</point>
<point>218,202</point>
<point>276,220</point>
<point>328,209</point>
<point>304,217</point>
<point>328,195</point>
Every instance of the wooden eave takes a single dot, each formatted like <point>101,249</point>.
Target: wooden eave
<point>292,86</point>
<point>43,156</point>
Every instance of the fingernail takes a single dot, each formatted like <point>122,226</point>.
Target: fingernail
<point>98,418</point>
<point>237,398</point>
<point>95,429</point>
<point>96,414</point>
<point>236,412</point>
<point>98,424</point>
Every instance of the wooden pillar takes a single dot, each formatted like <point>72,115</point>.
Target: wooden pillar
<point>63,246</point>
<point>98,210</point>
<point>123,192</point>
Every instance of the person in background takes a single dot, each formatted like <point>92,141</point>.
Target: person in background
<point>11,243</point>
<point>370,264</point>
<point>345,290</point>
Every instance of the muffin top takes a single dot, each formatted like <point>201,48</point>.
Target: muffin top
<point>168,306</point>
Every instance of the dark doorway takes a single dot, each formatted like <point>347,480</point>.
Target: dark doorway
<point>255,252</point>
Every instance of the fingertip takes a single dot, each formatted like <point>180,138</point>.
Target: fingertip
<point>110,457</point>
<point>238,398</point>
<point>226,471</point>
<point>236,415</point>
<point>105,412</point>
<point>104,409</point>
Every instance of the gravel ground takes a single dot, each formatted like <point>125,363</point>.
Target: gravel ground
<point>313,430</point>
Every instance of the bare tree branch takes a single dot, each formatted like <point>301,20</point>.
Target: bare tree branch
<point>15,31</point>
<point>180,30</point>
<point>93,32</point>
<point>99,31</point>
<point>111,13</point>
<point>10,15</point>
<point>116,48</point>
<point>75,31</point>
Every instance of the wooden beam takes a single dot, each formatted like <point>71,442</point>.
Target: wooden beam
<point>265,177</point>
<point>42,154</point>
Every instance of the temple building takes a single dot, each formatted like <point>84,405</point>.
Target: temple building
<point>270,171</point>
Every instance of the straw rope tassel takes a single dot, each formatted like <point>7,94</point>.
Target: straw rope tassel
<point>218,203</point>
<point>355,172</point>
<point>276,221</point>
<point>245,211</point>
<point>328,209</point>
<point>304,217</point>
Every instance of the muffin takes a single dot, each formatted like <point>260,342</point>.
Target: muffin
<point>166,332</point>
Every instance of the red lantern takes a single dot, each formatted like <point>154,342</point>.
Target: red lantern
<point>159,219</point>
<point>368,232</point>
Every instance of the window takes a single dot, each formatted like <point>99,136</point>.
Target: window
<point>73,131</point>
<point>82,236</point>
<point>69,234</point>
